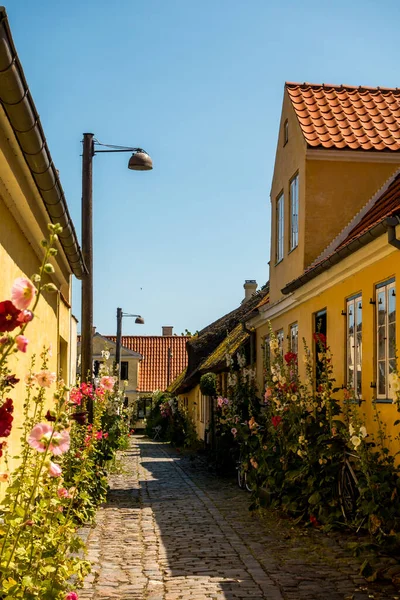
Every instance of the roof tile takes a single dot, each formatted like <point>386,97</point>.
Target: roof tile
<point>347,117</point>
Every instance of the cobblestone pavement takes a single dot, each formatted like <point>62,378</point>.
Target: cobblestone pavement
<point>171,531</point>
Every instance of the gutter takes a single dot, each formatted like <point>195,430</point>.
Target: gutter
<point>21,112</point>
<point>387,225</point>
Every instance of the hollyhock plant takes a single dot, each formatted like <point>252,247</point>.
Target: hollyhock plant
<point>107,382</point>
<point>43,437</point>
<point>86,389</point>
<point>25,316</point>
<point>62,493</point>
<point>276,421</point>
<point>290,357</point>
<point>8,316</point>
<point>45,378</point>
<point>22,293</point>
<point>22,343</point>
<point>54,470</point>
<point>72,596</point>
<point>76,396</point>
<point>6,417</point>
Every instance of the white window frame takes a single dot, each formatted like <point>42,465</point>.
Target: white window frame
<point>294,212</point>
<point>294,337</point>
<point>354,344</point>
<point>280,226</point>
<point>385,362</point>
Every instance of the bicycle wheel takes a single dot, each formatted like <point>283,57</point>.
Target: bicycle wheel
<point>348,491</point>
<point>241,476</point>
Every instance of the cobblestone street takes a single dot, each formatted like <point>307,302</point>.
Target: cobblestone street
<point>172,531</point>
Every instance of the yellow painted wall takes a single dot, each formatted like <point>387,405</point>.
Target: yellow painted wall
<point>355,274</point>
<point>335,192</point>
<point>290,159</point>
<point>23,224</point>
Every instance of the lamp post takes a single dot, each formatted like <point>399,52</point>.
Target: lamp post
<point>139,321</point>
<point>139,161</point>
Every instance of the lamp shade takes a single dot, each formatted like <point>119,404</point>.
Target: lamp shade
<point>140,161</point>
<point>139,321</point>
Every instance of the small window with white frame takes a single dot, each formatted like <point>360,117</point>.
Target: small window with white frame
<point>354,344</point>
<point>294,338</point>
<point>385,338</point>
<point>294,212</point>
<point>280,224</point>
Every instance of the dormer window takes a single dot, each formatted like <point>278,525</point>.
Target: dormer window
<point>285,132</point>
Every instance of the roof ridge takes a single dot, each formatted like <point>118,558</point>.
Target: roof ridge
<point>355,220</point>
<point>340,86</point>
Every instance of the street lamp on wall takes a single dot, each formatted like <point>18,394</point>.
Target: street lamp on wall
<point>139,161</point>
<point>139,321</point>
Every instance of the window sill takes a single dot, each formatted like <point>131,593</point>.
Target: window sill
<point>293,249</point>
<point>384,401</point>
<point>278,263</point>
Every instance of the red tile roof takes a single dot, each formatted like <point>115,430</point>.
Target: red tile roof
<point>345,117</point>
<point>384,204</point>
<point>153,368</point>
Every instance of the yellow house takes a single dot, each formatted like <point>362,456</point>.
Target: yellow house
<point>31,196</point>
<point>207,353</point>
<point>335,206</point>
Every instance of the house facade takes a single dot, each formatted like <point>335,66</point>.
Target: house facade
<point>334,256</point>
<point>207,352</point>
<point>31,196</point>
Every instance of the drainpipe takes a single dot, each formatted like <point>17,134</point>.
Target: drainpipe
<point>391,223</point>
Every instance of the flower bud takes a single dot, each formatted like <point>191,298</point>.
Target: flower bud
<point>53,251</point>
<point>44,243</point>
<point>50,287</point>
<point>48,268</point>
<point>36,278</point>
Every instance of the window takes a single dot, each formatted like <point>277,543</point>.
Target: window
<point>144,408</point>
<point>294,212</point>
<point>280,338</point>
<point>294,338</point>
<point>385,337</point>
<point>124,370</point>
<point>285,132</point>
<point>354,344</point>
<point>204,406</point>
<point>279,227</point>
<point>97,364</point>
<point>320,327</point>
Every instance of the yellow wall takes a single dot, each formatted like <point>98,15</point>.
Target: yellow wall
<point>194,403</point>
<point>360,272</point>
<point>23,224</point>
<point>335,192</point>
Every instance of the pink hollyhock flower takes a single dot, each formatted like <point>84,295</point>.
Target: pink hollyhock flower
<point>54,470</point>
<point>100,393</point>
<point>72,596</point>
<point>22,343</point>
<point>86,389</point>
<point>234,431</point>
<point>4,477</point>
<point>268,394</point>
<point>22,293</point>
<point>25,316</point>
<point>45,378</point>
<point>105,435</point>
<point>75,396</point>
<point>107,382</point>
<point>43,436</point>
<point>220,401</point>
<point>99,435</point>
<point>62,493</point>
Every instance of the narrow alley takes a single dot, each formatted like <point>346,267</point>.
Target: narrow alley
<point>171,531</point>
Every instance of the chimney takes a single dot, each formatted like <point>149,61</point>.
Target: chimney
<point>93,330</point>
<point>167,330</point>
<point>250,288</point>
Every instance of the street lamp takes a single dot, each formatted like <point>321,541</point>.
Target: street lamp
<point>139,321</point>
<point>139,161</point>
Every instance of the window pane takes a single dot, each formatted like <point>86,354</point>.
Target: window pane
<point>350,344</point>
<point>381,378</point>
<point>294,335</point>
<point>392,304</point>
<point>279,228</point>
<point>294,210</point>
<point>381,303</point>
<point>381,343</point>
<point>392,340</point>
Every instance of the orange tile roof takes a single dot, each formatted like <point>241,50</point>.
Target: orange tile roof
<point>153,367</point>
<point>345,117</point>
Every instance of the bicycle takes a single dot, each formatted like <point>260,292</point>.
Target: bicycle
<point>242,469</point>
<point>347,486</point>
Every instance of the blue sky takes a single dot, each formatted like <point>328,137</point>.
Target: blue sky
<point>199,85</point>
